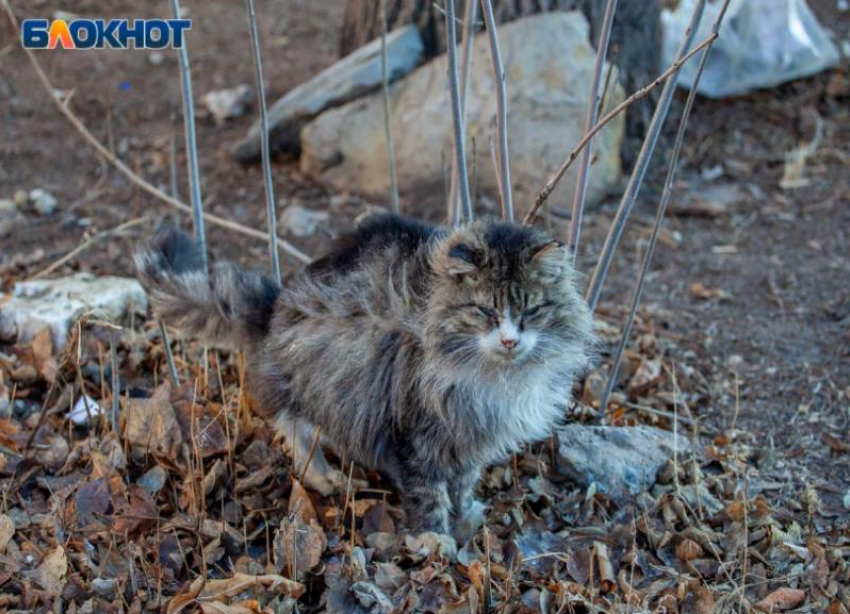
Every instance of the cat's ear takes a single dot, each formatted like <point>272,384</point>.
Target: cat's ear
<point>548,260</point>
<point>462,262</point>
<point>459,261</point>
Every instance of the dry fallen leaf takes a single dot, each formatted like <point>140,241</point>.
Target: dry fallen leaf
<point>298,546</point>
<point>50,574</point>
<point>42,353</point>
<point>7,530</point>
<point>213,591</point>
<point>688,550</point>
<point>781,599</point>
<point>700,291</point>
<point>151,426</point>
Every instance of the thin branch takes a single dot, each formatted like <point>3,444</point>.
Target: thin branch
<point>87,244</point>
<point>169,356</point>
<point>125,170</point>
<point>470,15</point>
<point>454,91</point>
<point>639,172</point>
<point>659,217</point>
<point>271,214</point>
<point>501,110</point>
<point>116,382</point>
<point>388,128</point>
<point>550,186</point>
<point>592,110</point>
<point>191,144</point>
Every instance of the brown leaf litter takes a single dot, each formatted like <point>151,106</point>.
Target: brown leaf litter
<point>192,507</point>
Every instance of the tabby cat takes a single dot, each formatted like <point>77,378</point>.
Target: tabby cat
<point>422,352</point>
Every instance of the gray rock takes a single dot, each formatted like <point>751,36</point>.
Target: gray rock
<point>300,221</point>
<point>345,80</point>
<point>58,303</point>
<point>229,103</point>
<point>548,63</point>
<point>621,461</point>
<point>43,201</point>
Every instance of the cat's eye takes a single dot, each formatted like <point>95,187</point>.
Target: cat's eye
<point>486,311</point>
<point>530,313</point>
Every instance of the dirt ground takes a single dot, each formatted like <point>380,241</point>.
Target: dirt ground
<point>750,290</point>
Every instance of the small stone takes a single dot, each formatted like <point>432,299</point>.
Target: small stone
<point>58,303</point>
<point>302,222</point>
<point>621,461</point>
<point>229,103</point>
<point>104,586</point>
<point>20,198</point>
<point>43,201</point>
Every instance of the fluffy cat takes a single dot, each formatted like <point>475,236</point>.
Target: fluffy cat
<point>421,352</point>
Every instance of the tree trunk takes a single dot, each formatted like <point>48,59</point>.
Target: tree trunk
<point>635,35</point>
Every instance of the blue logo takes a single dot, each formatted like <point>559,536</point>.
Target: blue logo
<point>104,34</point>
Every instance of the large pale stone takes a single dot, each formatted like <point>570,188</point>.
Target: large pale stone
<point>621,461</point>
<point>58,303</point>
<point>345,80</point>
<point>548,64</point>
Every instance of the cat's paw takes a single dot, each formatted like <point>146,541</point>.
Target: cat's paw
<point>472,520</point>
<point>331,482</point>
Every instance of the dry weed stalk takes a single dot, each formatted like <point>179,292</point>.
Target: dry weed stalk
<point>271,214</point>
<point>659,217</point>
<point>501,110</point>
<point>457,120</point>
<point>469,18</point>
<point>593,107</point>
<point>388,128</point>
<point>597,280</point>
<point>642,93</point>
<point>191,143</point>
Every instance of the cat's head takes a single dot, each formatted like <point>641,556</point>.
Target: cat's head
<point>504,295</point>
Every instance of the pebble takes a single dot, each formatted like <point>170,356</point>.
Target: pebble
<point>43,201</point>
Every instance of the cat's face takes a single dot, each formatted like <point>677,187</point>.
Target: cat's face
<point>504,296</point>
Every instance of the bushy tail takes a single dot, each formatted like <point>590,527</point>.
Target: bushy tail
<point>228,307</point>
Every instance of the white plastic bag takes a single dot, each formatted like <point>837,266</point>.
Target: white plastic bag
<point>762,43</point>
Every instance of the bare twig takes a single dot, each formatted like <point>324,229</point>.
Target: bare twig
<point>639,172</point>
<point>665,199</point>
<point>191,143</point>
<point>388,128</point>
<point>501,110</point>
<point>166,342</point>
<point>470,15</point>
<point>87,244</point>
<point>659,216</point>
<point>116,383</point>
<point>125,170</point>
<point>550,186</point>
<point>454,91</point>
<point>271,214</point>
<point>592,110</point>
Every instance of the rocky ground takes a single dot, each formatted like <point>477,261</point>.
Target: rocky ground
<point>748,305</point>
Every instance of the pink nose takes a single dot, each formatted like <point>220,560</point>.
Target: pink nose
<point>509,343</point>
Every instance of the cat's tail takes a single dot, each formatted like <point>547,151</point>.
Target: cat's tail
<point>227,307</point>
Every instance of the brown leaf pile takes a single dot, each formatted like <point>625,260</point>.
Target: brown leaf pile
<point>191,507</point>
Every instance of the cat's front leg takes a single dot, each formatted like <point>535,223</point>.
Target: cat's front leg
<point>467,512</point>
<point>426,503</point>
